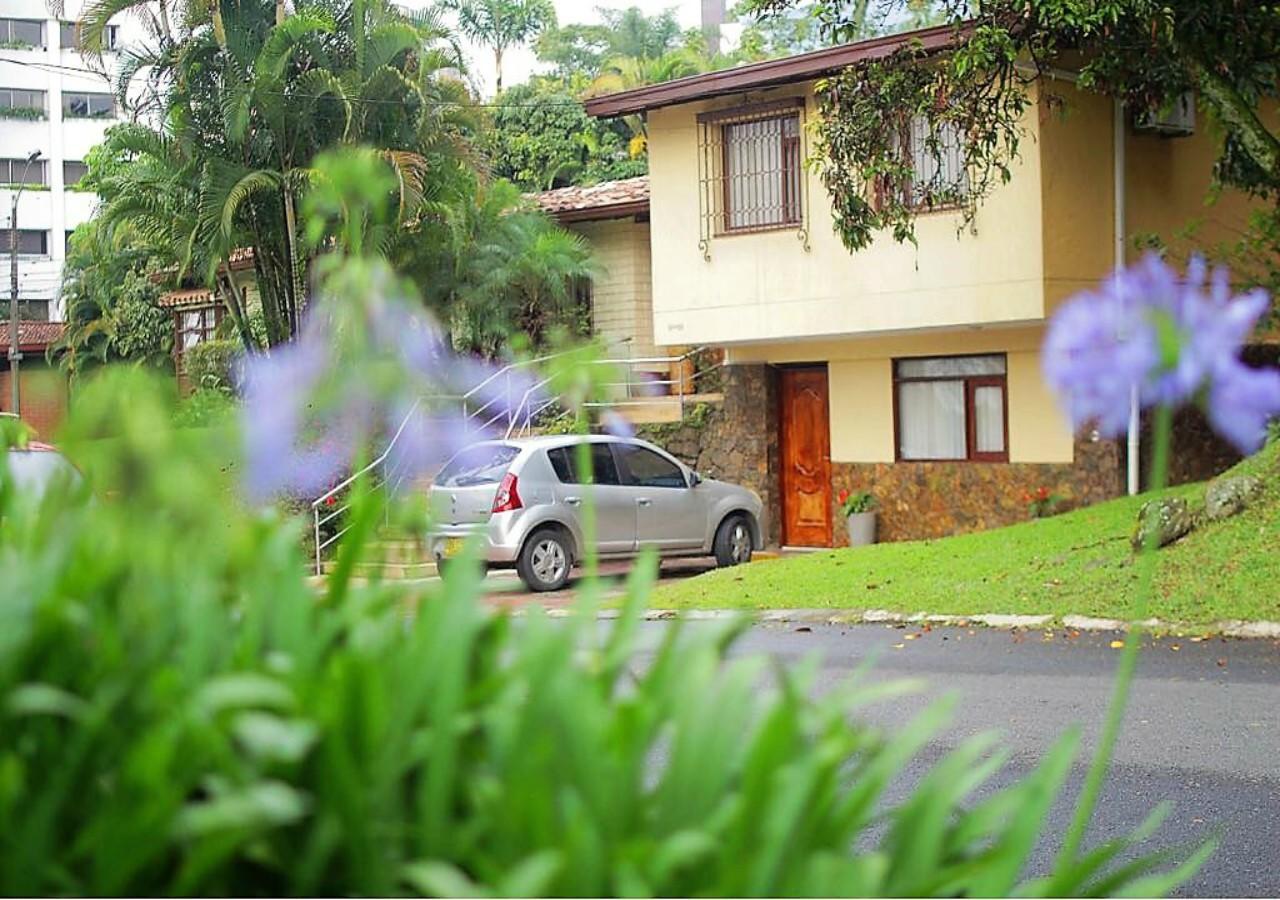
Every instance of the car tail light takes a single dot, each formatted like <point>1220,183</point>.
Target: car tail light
<point>508,498</point>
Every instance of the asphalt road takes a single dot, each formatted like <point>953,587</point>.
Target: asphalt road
<point>1203,728</point>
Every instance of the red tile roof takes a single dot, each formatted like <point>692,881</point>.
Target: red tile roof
<point>188,297</point>
<point>771,72</point>
<point>32,336</point>
<point>606,200</point>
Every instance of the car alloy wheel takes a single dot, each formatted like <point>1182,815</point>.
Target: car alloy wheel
<point>549,561</point>
<point>740,542</point>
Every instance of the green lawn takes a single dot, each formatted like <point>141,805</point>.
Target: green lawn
<point>1079,562</point>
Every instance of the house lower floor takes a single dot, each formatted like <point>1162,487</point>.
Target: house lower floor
<point>950,431</point>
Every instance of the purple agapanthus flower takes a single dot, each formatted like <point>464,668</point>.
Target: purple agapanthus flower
<point>368,363</point>
<point>1175,340</point>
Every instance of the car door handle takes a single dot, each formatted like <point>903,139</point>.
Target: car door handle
<point>643,501</point>
<point>573,501</point>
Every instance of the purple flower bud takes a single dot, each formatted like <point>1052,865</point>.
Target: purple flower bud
<point>616,424</point>
<point>1174,340</point>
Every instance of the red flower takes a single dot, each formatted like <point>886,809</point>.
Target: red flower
<point>842,496</point>
<point>330,500</point>
<point>1042,493</point>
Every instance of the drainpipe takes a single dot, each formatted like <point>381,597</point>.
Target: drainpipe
<point>1118,162</point>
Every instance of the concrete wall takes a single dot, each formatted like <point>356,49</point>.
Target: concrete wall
<point>766,286</point>
<point>55,70</point>
<point>1168,184</point>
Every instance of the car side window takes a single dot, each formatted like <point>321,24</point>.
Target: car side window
<point>644,468</point>
<point>564,460</point>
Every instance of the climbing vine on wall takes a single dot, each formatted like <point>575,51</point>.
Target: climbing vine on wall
<point>972,90</point>
<point>958,110</point>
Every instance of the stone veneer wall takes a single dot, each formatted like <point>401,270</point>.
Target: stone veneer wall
<point>929,500</point>
<point>735,440</point>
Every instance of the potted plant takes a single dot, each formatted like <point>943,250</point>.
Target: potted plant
<point>859,510</point>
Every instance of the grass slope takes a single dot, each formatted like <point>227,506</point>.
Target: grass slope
<point>1078,562</point>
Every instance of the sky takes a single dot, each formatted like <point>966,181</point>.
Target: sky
<point>519,64</point>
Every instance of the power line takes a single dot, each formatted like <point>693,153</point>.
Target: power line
<point>451,104</point>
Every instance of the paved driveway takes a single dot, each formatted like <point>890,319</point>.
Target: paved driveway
<point>503,588</point>
<point>1203,729</point>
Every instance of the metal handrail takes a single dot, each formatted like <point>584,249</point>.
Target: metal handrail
<point>343,485</point>
<point>519,420</point>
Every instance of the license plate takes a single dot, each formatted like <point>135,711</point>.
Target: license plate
<point>452,547</point>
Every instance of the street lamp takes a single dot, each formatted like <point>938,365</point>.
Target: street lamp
<point>15,355</point>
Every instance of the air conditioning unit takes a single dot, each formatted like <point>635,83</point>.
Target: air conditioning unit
<point>1177,118</point>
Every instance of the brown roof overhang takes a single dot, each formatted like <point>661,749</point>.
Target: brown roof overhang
<point>597,213</point>
<point>803,67</point>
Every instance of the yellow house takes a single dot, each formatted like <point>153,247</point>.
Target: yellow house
<point>614,218</point>
<point>909,371</point>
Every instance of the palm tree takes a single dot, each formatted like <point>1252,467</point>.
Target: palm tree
<point>247,112</point>
<point>491,266</point>
<point>502,24</point>
<point>622,73</point>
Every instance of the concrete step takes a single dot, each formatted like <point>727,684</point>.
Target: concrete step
<point>398,550</point>
<point>387,571</point>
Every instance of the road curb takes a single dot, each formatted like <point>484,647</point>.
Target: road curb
<point>800,616</point>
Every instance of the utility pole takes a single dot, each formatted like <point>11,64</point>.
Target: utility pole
<point>15,354</point>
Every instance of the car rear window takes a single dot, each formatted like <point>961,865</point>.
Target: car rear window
<point>481,464</point>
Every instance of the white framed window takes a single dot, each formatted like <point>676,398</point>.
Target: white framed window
<point>85,105</point>
<point>21,34</point>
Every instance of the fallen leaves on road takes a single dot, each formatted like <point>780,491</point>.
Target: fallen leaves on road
<point>804,628</point>
<point>1116,645</point>
<point>910,637</point>
<point>898,646</point>
<point>1175,647</point>
<point>1222,662</point>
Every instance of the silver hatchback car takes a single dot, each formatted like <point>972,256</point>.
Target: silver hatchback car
<point>524,498</point>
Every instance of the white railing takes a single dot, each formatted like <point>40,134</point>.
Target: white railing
<point>639,387</point>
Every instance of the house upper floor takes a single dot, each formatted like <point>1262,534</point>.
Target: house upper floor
<point>741,226</point>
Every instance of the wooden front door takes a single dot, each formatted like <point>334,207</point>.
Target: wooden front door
<point>806,457</point>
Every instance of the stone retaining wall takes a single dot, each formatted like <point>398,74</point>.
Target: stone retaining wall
<point>929,500</point>
<point>735,440</point>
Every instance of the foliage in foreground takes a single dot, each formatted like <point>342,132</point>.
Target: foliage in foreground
<point>180,713</point>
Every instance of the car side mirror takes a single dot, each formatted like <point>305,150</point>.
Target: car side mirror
<point>694,479</point>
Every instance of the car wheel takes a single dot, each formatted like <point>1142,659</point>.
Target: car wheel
<point>545,561</point>
<point>733,544</point>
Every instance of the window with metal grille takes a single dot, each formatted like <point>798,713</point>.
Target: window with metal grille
<point>18,34</point>
<point>88,106</point>
<point>940,174</point>
<point>19,100</point>
<point>30,241</point>
<point>19,171</point>
<point>750,169</point>
<point>951,408</point>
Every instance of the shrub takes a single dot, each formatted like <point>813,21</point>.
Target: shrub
<point>204,407</point>
<point>181,714</point>
<point>21,112</point>
<point>210,364</point>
